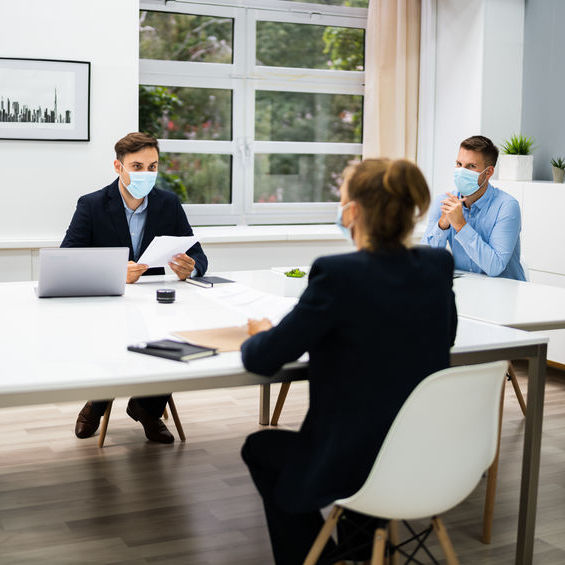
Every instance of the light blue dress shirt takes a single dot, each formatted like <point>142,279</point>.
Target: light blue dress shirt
<point>136,223</point>
<point>489,242</point>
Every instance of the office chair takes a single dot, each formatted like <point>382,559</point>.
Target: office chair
<point>439,445</point>
<point>286,386</point>
<point>172,408</point>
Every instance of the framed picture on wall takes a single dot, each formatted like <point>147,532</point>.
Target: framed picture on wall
<point>44,99</point>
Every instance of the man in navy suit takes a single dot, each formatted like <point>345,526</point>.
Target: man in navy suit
<point>130,212</point>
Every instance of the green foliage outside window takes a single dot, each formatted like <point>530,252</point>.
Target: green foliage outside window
<point>203,113</point>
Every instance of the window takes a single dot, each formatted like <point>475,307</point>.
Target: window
<point>257,105</point>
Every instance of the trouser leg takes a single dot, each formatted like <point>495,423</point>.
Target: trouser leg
<point>292,534</point>
<point>99,407</point>
<point>153,405</point>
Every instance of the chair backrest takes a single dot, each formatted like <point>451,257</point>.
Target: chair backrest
<point>438,447</point>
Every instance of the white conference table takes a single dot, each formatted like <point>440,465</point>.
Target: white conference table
<point>505,302</point>
<point>62,349</point>
<point>530,307</point>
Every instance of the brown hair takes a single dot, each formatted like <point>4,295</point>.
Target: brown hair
<point>134,142</point>
<point>392,196</point>
<point>484,146</point>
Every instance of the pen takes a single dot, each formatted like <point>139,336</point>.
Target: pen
<point>159,346</point>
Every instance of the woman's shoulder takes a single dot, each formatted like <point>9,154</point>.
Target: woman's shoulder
<point>336,263</point>
<point>433,253</point>
<point>420,258</point>
<point>433,259</point>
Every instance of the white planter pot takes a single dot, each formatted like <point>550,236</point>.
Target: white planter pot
<point>515,167</point>
<point>558,174</point>
<point>291,286</point>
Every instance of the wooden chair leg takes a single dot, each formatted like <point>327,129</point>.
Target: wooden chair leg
<point>165,414</point>
<point>444,541</point>
<point>280,403</point>
<point>104,426</point>
<point>491,482</point>
<point>516,386</point>
<point>176,418</point>
<point>379,547</point>
<point>394,540</point>
<point>323,536</point>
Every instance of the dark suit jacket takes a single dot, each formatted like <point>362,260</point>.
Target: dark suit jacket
<point>100,221</point>
<point>375,325</point>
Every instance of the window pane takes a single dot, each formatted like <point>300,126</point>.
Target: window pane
<point>184,37</point>
<point>310,46</point>
<point>298,178</point>
<point>300,116</point>
<point>196,178</point>
<point>350,3</point>
<point>170,112</point>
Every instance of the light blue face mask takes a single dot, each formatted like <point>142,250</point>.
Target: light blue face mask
<point>141,183</point>
<point>466,181</point>
<point>346,230</point>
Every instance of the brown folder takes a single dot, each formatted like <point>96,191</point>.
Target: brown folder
<point>222,339</point>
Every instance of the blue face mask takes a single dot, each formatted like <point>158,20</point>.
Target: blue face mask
<point>466,181</point>
<point>346,230</point>
<point>141,183</point>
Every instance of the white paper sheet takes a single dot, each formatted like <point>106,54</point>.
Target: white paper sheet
<point>161,250</point>
<point>251,303</point>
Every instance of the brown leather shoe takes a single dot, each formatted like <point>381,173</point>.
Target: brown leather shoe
<point>155,429</point>
<point>87,421</point>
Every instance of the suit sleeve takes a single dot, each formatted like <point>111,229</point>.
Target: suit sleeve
<point>79,232</point>
<point>453,308</point>
<point>299,331</point>
<point>196,251</point>
<point>492,256</point>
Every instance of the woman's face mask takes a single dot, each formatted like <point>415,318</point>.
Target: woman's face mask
<point>346,230</point>
<point>141,183</point>
<point>466,181</point>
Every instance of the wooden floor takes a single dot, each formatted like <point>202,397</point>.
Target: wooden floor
<point>62,500</point>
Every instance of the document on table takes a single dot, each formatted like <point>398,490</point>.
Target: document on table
<point>251,303</point>
<point>223,339</point>
<point>161,250</point>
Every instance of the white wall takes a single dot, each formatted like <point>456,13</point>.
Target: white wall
<point>458,83</point>
<point>503,50</point>
<point>544,82</point>
<point>41,181</point>
<point>479,46</point>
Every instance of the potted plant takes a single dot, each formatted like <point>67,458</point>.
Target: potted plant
<point>516,161</point>
<point>294,280</point>
<point>558,169</point>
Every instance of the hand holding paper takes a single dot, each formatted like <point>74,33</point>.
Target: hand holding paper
<point>164,247</point>
<point>182,265</point>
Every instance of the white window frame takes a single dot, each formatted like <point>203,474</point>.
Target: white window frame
<point>243,77</point>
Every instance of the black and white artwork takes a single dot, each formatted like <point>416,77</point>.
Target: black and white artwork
<point>43,99</point>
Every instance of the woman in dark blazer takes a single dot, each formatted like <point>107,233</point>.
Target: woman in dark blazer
<point>375,322</point>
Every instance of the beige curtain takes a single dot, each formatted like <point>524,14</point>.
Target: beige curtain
<point>392,64</point>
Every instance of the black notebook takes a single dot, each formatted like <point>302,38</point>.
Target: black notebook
<point>174,350</point>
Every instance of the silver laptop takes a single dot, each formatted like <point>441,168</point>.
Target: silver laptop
<point>82,271</point>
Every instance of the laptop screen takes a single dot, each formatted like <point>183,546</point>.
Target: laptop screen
<point>82,271</point>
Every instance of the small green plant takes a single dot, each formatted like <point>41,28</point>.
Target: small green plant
<point>558,163</point>
<point>518,144</point>
<point>295,273</point>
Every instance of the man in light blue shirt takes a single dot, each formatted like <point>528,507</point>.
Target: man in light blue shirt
<point>136,224</point>
<point>481,223</point>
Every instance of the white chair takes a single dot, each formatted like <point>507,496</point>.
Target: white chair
<point>438,447</point>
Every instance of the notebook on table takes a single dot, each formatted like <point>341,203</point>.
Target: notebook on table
<point>175,350</point>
